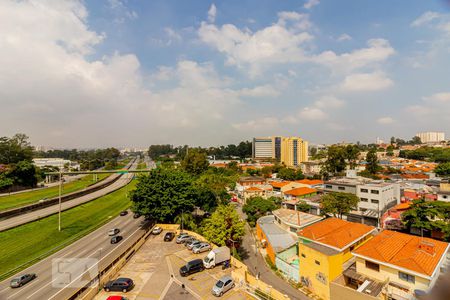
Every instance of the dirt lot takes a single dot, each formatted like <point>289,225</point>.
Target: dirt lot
<point>152,268</point>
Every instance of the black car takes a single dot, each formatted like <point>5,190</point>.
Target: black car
<point>169,236</point>
<point>21,280</point>
<point>124,213</point>
<point>116,239</point>
<point>136,215</point>
<point>191,267</point>
<point>119,285</point>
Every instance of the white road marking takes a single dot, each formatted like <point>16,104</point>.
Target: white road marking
<point>21,290</point>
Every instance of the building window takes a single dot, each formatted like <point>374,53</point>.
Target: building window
<point>374,192</point>
<point>293,229</point>
<point>406,277</point>
<point>303,255</point>
<point>352,248</point>
<point>364,190</point>
<point>372,266</point>
<point>364,199</point>
<point>329,186</point>
<point>374,201</point>
<point>341,188</point>
<point>317,262</point>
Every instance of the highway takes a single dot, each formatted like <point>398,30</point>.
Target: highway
<point>95,245</point>
<point>47,211</point>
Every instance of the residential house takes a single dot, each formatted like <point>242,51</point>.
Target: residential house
<point>392,265</point>
<point>263,191</point>
<point>299,193</point>
<point>324,249</point>
<point>292,220</point>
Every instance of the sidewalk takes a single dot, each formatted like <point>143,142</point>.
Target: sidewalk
<point>256,264</point>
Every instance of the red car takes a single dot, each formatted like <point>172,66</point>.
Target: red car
<point>116,298</point>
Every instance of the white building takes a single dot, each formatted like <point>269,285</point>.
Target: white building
<point>377,196</point>
<point>263,148</point>
<point>54,162</point>
<point>431,136</point>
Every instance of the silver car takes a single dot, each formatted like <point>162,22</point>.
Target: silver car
<point>222,286</point>
<point>190,245</point>
<point>202,247</point>
<point>113,231</point>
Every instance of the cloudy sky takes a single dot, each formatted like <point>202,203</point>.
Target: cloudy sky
<point>133,73</point>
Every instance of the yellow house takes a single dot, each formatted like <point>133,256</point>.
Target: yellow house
<point>324,248</point>
<point>403,262</point>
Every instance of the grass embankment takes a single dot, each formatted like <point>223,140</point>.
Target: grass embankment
<point>37,239</point>
<point>21,199</point>
<point>142,165</point>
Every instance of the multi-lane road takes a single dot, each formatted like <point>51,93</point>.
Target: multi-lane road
<point>47,211</point>
<point>95,246</point>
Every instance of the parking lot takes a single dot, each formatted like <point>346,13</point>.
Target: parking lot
<point>155,271</point>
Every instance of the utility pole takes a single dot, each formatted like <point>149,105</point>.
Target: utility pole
<point>60,190</point>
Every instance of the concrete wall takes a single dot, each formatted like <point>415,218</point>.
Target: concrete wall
<point>340,292</point>
<point>261,236</point>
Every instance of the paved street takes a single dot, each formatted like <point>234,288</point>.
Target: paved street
<point>256,264</point>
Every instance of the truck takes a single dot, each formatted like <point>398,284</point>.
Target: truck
<point>216,256</point>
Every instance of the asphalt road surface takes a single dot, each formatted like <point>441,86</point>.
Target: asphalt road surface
<point>44,212</point>
<point>52,284</point>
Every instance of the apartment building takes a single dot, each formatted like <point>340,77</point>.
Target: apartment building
<point>290,151</point>
<point>377,196</point>
<point>324,249</point>
<point>431,136</point>
<point>392,265</point>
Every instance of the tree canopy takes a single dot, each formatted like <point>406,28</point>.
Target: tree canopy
<point>443,169</point>
<point>338,204</point>
<point>257,207</point>
<point>290,174</point>
<point>224,226</point>
<point>372,162</point>
<point>195,162</point>
<point>15,149</point>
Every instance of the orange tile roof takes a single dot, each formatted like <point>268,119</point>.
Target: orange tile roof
<point>253,189</point>
<point>277,184</point>
<point>402,206</point>
<point>335,232</point>
<point>405,251</point>
<point>300,191</point>
<point>310,181</point>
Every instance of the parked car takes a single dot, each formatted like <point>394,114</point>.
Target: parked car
<point>157,230</point>
<point>116,298</point>
<point>189,240</point>
<point>124,213</point>
<point>202,247</point>
<point>183,237</point>
<point>119,285</point>
<point>169,236</point>
<point>21,280</point>
<point>116,239</point>
<point>113,231</point>
<point>136,215</point>
<point>191,267</point>
<point>224,284</point>
<point>192,244</point>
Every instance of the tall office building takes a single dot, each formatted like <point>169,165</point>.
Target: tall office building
<point>431,137</point>
<point>288,150</point>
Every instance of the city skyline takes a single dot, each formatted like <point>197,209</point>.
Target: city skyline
<point>131,73</point>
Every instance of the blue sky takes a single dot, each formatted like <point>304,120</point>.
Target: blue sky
<point>217,72</point>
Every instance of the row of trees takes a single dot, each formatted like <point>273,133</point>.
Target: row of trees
<point>241,150</point>
<point>16,167</point>
<point>439,155</point>
<point>89,159</point>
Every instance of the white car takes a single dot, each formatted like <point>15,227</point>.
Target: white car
<point>224,284</point>
<point>202,247</point>
<point>113,231</point>
<point>157,230</point>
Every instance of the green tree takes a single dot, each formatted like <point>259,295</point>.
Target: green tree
<point>187,219</point>
<point>5,182</point>
<point>351,155</point>
<point>443,169</point>
<point>24,174</point>
<point>195,162</point>
<point>224,226</point>
<point>303,206</point>
<point>164,194</point>
<point>420,215</point>
<point>336,160</point>
<point>290,174</point>
<point>390,150</point>
<point>338,204</point>
<point>15,149</point>
<point>372,161</point>
<point>257,207</point>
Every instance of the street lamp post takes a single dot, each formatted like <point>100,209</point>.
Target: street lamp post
<point>60,190</point>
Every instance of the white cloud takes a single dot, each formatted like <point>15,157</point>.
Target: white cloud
<point>298,20</point>
<point>172,35</point>
<point>433,111</point>
<point>344,37</point>
<point>438,98</point>
<point>277,44</point>
<point>425,18</point>
<point>385,120</point>
<point>329,102</point>
<point>212,12</point>
<point>260,91</point>
<point>310,3</point>
<point>361,82</point>
<point>312,114</point>
<point>261,124</point>
<point>121,12</point>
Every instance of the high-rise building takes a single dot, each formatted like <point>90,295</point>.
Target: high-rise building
<point>431,136</point>
<point>288,150</point>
